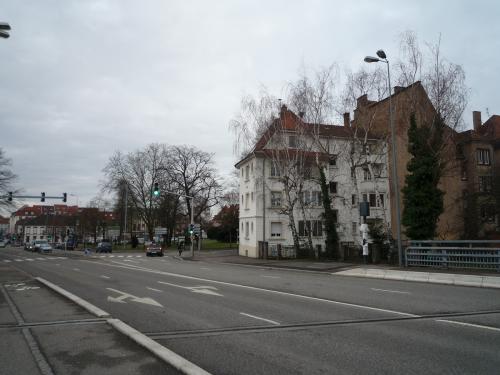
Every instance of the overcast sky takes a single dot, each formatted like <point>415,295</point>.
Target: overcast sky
<point>81,79</point>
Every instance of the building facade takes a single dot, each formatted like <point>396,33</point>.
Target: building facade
<point>355,169</point>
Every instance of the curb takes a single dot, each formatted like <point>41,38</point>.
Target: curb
<point>160,351</point>
<point>86,305</point>
<point>425,277</point>
<point>164,354</point>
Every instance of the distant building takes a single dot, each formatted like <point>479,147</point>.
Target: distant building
<point>4,226</point>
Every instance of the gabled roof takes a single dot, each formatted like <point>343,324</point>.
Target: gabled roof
<point>290,122</point>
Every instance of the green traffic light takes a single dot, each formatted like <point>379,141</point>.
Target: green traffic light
<point>156,193</point>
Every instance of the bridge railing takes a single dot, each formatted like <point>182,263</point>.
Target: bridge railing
<point>474,255</point>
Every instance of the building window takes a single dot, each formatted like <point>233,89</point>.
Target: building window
<point>315,227</point>
<point>373,200</point>
<point>353,173</point>
<point>367,176</point>
<point>251,227</point>
<point>276,230</point>
<point>354,199</point>
<point>247,169</point>
<point>242,200</point>
<point>292,141</point>
<point>354,228</point>
<point>333,187</point>
<point>376,201</point>
<point>483,156</point>
<point>316,198</point>
<point>487,213</point>
<point>275,198</point>
<point>246,200</point>
<point>252,196</point>
<point>246,230</point>
<point>275,170</point>
<point>332,161</point>
<point>485,183</point>
<point>381,200</point>
<point>251,168</point>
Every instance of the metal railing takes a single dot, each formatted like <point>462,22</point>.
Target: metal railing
<point>476,255</point>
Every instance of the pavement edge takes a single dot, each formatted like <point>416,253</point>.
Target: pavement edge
<point>175,360</point>
<point>166,355</point>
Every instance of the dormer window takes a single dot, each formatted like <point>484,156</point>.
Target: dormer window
<point>292,141</point>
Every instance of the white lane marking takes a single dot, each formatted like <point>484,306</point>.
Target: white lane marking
<point>29,259</point>
<point>124,295</point>
<point>120,256</point>
<point>102,256</point>
<point>18,260</point>
<point>76,269</point>
<point>196,289</point>
<point>125,265</point>
<point>61,257</point>
<point>7,261</point>
<point>129,256</point>
<point>205,268</point>
<point>389,291</point>
<point>111,256</point>
<point>57,264</point>
<point>105,277</point>
<point>271,277</point>
<point>138,256</point>
<point>259,318</point>
<point>156,290</point>
<point>40,258</point>
<point>469,325</point>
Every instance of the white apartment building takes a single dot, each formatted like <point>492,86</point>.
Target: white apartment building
<point>352,177</point>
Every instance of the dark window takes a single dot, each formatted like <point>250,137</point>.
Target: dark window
<point>333,187</point>
<point>354,199</point>
<point>485,183</point>
<point>333,160</point>
<point>275,170</point>
<point>292,141</point>
<point>373,200</point>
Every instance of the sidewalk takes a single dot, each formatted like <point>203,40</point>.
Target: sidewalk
<point>44,333</point>
<point>379,271</point>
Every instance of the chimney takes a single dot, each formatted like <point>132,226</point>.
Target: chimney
<point>347,119</point>
<point>398,89</point>
<point>362,101</point>
<point>476,120</point>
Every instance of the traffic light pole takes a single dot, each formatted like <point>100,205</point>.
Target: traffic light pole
<point>42,197</point>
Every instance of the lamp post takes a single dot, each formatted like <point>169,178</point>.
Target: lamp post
<point>4,28</point>
<point>382,57</point>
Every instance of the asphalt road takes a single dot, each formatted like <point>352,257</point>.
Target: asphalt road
<point>231,319</point>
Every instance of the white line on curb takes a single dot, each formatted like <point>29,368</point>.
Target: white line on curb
<point>86,305</point>
<point>259,318</point>
<point>160,351</point>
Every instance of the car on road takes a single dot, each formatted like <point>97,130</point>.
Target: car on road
<point>29,246</point>
<point>154,249</point>
<point>3,243</point>
<point>104,247</point>
<point>38,243</point>
<point>44,248</point>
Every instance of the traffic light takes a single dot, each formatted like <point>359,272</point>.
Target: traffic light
<point>10,196</point>
<point>65,197</point>
<point>42,199</point>
<point>191,229</point>
<point>156,190</point>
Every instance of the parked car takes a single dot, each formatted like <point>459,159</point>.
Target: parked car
<point>104,247</point>
<point>154,249</point>
<point>44,248</point>
<point>3,243</point>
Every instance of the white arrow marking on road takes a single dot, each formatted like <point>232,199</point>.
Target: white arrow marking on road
<point>146,300</point>
<point>196,289</point>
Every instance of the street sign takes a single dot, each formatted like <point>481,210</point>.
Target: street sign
<point>160,230</point>
<point>197,229</point>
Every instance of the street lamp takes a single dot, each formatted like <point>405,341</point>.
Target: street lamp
<point>382,57</point>
<point>4,28</point>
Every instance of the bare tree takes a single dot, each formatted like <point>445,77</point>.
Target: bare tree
<point>141,170</point>
<point>7,178</point>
